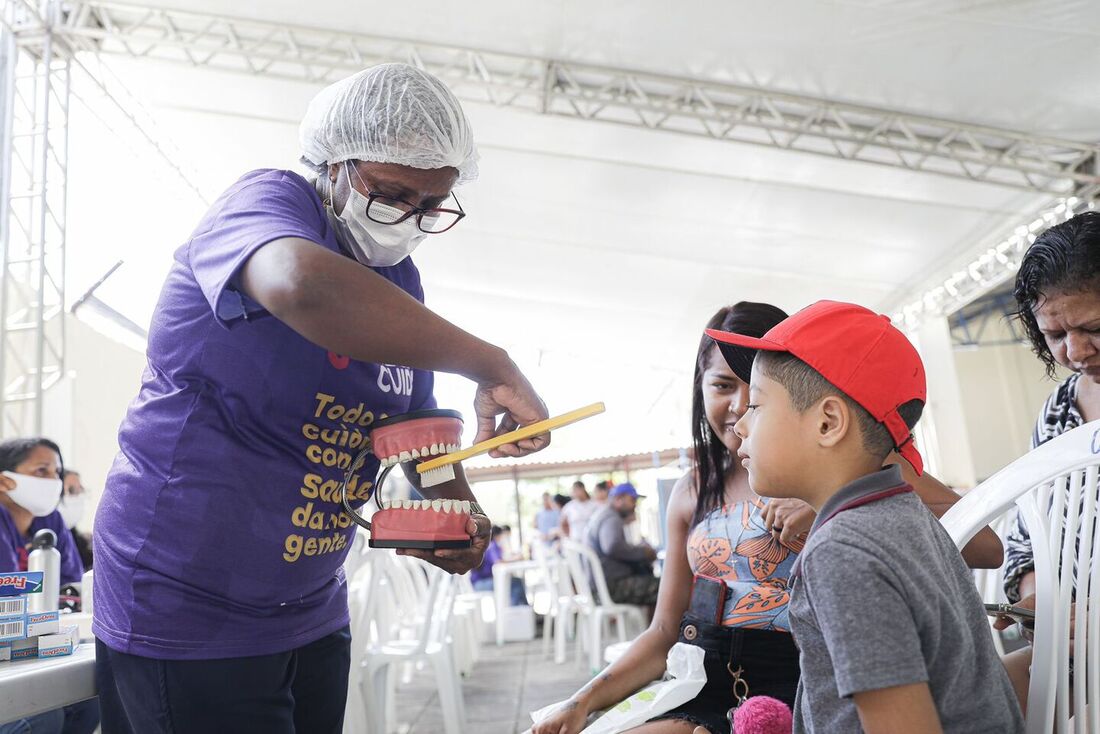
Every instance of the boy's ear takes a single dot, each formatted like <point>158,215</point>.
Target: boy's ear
<point>834,420</point>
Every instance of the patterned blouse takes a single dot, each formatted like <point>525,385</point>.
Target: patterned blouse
<point>731,544</point>
<point>1059,415</point>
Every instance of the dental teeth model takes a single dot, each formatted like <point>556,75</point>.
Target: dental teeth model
<point>420,524</point>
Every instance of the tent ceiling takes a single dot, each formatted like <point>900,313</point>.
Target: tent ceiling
<point>581,233</point>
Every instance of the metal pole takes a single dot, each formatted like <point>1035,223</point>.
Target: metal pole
<point>8,62</point>
<point>519,515</point>
<point>43,209</point>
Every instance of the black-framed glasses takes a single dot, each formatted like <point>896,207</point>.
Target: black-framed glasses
<point>388,210</point>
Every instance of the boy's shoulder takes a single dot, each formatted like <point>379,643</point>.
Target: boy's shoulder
<point>868,526</point>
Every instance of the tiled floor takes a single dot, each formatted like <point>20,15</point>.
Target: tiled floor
<point>506,685</point>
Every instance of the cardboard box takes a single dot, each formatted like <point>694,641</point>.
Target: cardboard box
<point>13,606</point>
<point>17,583</point>
<point>43,623</point>
<point>24,649</point>
<point>13,628</point>
<point>63,643</point>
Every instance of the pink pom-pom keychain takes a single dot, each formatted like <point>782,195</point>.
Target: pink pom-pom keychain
<point>761,715</point>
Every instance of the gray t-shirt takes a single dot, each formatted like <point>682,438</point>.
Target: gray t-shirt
<point>882,598</point>
<point>606,534</point>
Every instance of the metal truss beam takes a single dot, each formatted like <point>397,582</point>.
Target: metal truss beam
<point>35,80</point>
<point>687,106</point>
<point>970,325</point>
<point>991,266</point>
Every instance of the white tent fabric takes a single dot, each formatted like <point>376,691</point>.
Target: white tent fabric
<point>595,252</point>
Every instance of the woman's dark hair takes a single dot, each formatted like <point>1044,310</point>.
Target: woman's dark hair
<point>1063,259</point>
<point>15,451</point>
<point>712,458</point>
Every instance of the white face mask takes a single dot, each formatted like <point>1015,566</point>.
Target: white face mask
<point>71,509</point>
<point>35,494</point>
<point>371,243</point>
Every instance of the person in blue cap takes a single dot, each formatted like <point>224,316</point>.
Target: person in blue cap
<point>628,567</point>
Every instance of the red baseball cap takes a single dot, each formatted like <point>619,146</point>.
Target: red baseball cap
<point>858,351</point>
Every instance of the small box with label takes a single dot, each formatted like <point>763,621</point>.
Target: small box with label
<point>13,628</point>
<point>43,623</point>
<point>24,649</point>
<point>60,644</point>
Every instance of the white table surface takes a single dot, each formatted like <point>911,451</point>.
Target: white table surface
<point>29,687</point>
<point>502,587</point>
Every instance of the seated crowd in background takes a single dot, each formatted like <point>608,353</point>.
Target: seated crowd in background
<point>31,493</point>
<point>575,515</point>
<point>482,576</point>
<point>627,567</point>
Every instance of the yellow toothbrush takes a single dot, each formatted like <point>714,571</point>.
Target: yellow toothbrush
<point>441,469</point>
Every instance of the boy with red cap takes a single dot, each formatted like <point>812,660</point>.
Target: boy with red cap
<point>891,631</point>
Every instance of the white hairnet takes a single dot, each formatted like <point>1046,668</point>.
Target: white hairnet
<point>390,113</point>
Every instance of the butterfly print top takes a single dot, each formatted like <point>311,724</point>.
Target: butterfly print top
<point>731,544</point>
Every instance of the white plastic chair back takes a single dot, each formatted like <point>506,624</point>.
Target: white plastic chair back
<point>1055,487</point>
<point>356,554</point>
<point>586,570</point>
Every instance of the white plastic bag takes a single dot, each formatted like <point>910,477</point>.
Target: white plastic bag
<point>685,678</point>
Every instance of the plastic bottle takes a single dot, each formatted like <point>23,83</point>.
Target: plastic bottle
<point>46,558</point>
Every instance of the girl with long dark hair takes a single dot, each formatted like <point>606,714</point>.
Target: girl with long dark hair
<point>742,547</point>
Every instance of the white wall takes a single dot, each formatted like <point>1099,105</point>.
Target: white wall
<point>1003,389</point>
<point>104,378</point>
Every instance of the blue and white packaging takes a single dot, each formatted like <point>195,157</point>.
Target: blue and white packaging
<point>12,606</point>
<point>61,644</point>
<point>18,583</point>
<point>43,623</point>
<point>24,649</point>
<point>13,628</point>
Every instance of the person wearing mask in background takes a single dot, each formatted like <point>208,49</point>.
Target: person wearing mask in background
<point>293,313</point>
<point>30,492</point>
<point>547,519</point>
<point>600,492</point>
<point>482,576</point>
<point>575,515</point>
<point>627,567</point>
<point>72,509</point>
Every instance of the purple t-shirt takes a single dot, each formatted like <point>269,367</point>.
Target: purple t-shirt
<point>220,532</point>
<point>15,547</point>
<point>493,554</point>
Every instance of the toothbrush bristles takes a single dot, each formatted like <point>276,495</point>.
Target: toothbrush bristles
<point>432,477</point>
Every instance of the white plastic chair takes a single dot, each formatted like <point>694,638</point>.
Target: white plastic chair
<point>554,582</point>
<point>1058,478</point>
<point>586,572</point>
<point>433,645</point>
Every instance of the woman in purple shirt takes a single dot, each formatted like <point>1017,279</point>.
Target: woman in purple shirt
<point>291,319</point>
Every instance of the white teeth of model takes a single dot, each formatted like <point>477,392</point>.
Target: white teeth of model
<point>434,450</point>
<point>405,456</point>
<point>437,505</point>
<point>466,507</point>
<point>424,452</point>
<point>393,460</point>
<point>415,454</point>
<point>425,504</point>
<point>405,504</point>
<point>448,505</point>
<point>385,504</point>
